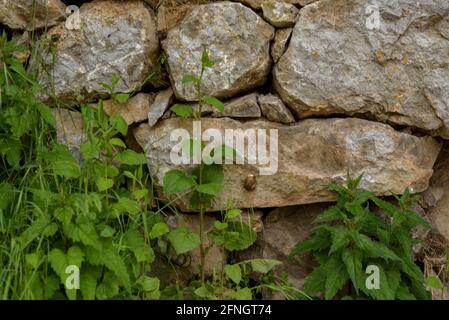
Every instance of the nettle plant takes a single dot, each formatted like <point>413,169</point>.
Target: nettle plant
<point>203,185</point>
<point>61,215</point>
<point>350,237</point>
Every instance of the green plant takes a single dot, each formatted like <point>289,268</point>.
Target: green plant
<point>350,236</point>
<point>203,185</point>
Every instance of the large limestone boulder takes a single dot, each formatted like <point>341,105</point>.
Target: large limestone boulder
<point>311,154</point>
<point>31,14</point>
<point>236,37</point>
<point>340,61</point>
<point>113,38</point>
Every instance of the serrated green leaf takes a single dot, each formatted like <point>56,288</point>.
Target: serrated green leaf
<point>182,110</point>
<point>176,181</point>
<point>183,240</point>
<point>263,265</point>
<point>158,230</point>
<point>213,102</point>
<point>233,272</point>
<point>131,158</point>
<point>190,78</point>
<point>104,183</point>
<point>119,124</point>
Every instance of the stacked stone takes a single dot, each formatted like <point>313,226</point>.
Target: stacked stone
<point>338,91</point>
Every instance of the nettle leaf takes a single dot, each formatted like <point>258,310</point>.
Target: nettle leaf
<point>104,183</point>
<point>336,278</point>
<point>243,294</point>
<point>149,284</point>
<point>125,204</point>
<point>117,142</point>
<point>263,265</point>
<point>320,240</point>
<point>64,215</point>
<point>67,169</point>
<point>183,240</point>
<point>239,236</point>
<point>206,61</point>
<point>182,110</point>
<point>131,158</point>
<point>190,78</point>
<point>213,102</point>
<point>353,262</point>
<point>434,282</point>
<point>209,188</point>
<point>83,232</point>
<point>232,214</point>
<point>121,97</point>
<point>108,256</point>
<point>88,282</point>
<point>220,225</point>
<point>7,195</point>
<point>331,214</point>
<point>158,230</point>
<point>119,124</point>
<point>233,272</point>
<point>375,249</point>
<point>176,181</point>
<point>89,151</point>
<point>144,254</point>
<point>316,281</point>
<point>340,239</point>
<point>46,114</point>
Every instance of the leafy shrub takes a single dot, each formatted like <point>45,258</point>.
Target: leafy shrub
<point>350,236</point>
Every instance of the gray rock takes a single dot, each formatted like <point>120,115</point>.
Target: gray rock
<point>257,4</point>
<point>241,107</point>
<point>69,130</point>
<point>238,39</point>
<point>336,64</point>
<point>31,14</point>
<point>437,196</point>
<point>294,223</point>
<point>280,43</point>
<point>279,14</point>
<point>163,100</point>
<point>274,109</point>
<point>135,110</point>
<point>114,38</point>
<point>311,154</point>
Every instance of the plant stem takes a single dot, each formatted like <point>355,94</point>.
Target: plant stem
<point>202,250</point>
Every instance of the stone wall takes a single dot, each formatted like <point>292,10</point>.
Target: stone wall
<point>344,94</point>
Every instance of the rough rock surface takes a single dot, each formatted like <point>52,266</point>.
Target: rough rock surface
<point>312,153</point>
<point>437,196</point>
<point>114,38</point>
<point>280,43</point>
<point>279,14</point>
<point>69,130</point>
<point>135,110</point>
<point>283,229</point>
<point>30,15</point>
<point>338,63</point>
<point>215,256</point>
<point>257,4</point>
<point>238,39</point>
<point>241,107</point>
<point>274,109</point>
<point>162,101</point>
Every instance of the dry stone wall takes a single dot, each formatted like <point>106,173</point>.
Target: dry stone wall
<point>346,91</point>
